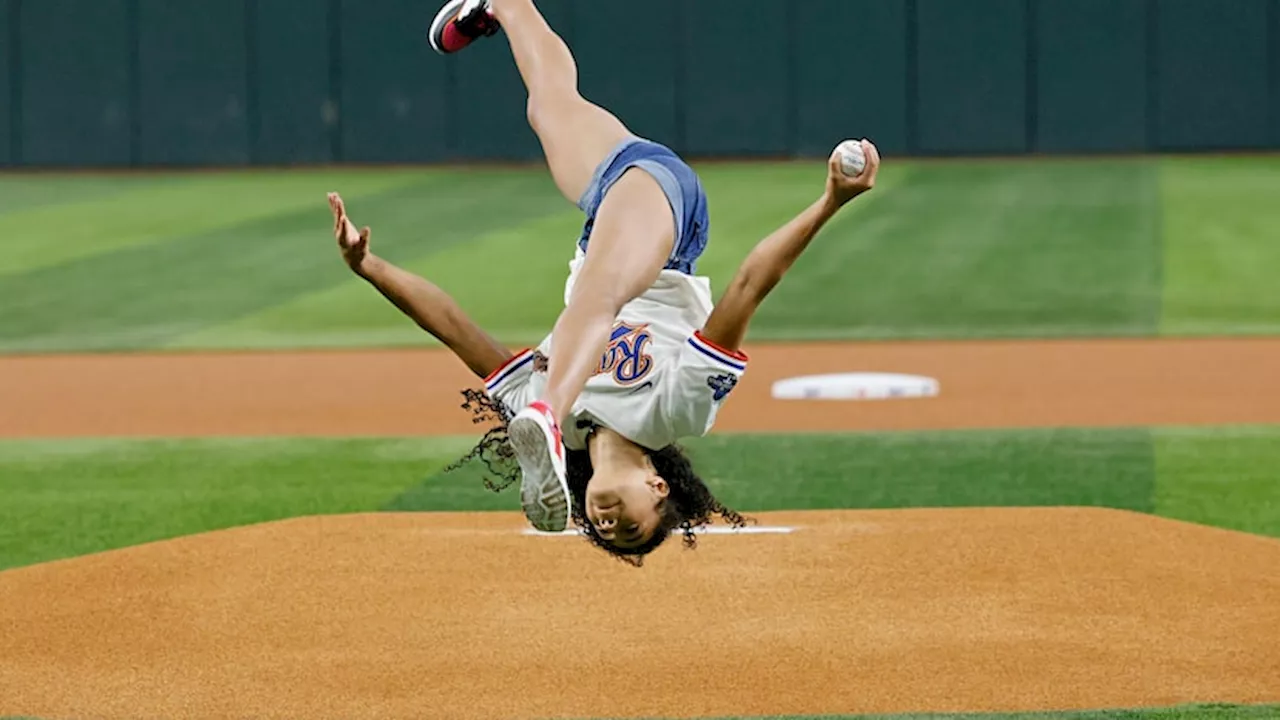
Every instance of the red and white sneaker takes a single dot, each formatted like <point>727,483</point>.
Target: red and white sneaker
<point>544,492</point>
<point>460,23</point>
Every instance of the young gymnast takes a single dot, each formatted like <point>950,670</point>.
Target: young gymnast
<point>640,357</point>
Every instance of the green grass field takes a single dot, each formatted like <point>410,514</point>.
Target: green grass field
<point>1128,247</point>
<point>1122,247</point>
<point>67,498</point>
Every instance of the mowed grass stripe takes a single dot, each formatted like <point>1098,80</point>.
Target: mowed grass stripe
<point>1229,477</point>
<point>180,206</point>
<point>987,249</point>
<point>68,498</point>
<point>1105,468</point>
<point>144,297</point>
<point>64,498</point>
<point>956,249</point>
<point>510,280</point>
<point>755,473</point>
<point>26,191</point>
<point>1222,245</point>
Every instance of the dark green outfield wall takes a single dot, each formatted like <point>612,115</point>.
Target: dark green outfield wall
<point>235,82</point>
<point>8,35</point>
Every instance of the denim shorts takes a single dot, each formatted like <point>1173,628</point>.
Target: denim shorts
<point>678,181</point>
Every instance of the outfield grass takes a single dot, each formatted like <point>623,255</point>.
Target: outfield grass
<point>66,498</point>
<point>944,249</point>
<point>95,220</point>
<point>1220,222</point>
<point>999,249</point>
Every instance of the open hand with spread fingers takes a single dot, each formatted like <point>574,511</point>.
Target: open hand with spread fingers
<point>353,244</point>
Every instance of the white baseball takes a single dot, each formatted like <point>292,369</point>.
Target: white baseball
<point>852,160</point>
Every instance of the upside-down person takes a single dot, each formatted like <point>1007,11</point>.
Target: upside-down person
<point>639,358</point>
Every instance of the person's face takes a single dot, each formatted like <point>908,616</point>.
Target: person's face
<point>624,506</point>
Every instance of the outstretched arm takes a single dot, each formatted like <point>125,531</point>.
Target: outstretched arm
<point>427,305</point>
<point>773,256</point>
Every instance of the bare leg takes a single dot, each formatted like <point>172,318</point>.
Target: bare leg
<point>629,247</point>
<point>575,134</point>
<point>634,230</point>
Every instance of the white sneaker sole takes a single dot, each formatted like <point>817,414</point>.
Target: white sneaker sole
<point>544,493</point>
<point>447,13</point>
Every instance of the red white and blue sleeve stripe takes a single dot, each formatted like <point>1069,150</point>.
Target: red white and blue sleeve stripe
<point>735,359</point>
<point>518,363</point>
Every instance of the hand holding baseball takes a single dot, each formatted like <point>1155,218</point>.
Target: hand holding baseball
<point>842,187</point>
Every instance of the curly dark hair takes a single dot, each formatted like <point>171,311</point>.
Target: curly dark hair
<point>688,507</point>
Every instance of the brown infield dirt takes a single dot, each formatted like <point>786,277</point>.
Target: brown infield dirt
<point>1100,383</point>
<point>463,616</point>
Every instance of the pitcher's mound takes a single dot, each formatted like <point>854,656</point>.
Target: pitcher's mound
<point>462,616</point>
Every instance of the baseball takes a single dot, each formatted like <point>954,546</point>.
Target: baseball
<point>852,160</point>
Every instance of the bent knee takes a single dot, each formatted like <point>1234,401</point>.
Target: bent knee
<point>551,108</point>
<point>533,112</point>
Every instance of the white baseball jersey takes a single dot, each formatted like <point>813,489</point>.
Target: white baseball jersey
<point>658,381</point>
